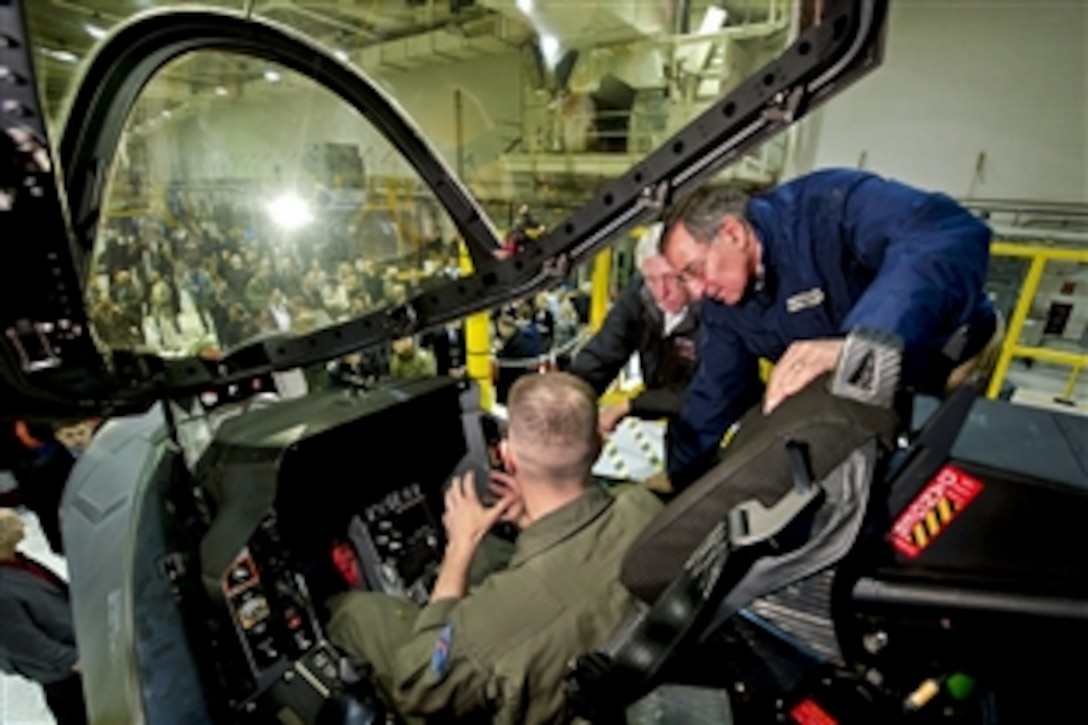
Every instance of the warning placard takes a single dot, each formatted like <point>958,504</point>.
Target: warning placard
<point>809,712</point>
<point>933,510</point>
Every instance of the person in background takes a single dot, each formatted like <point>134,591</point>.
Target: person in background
<point>498,652</point>
<point>566,330</point>
<point>41,466</point>
<point>409,361</point>
<point>447,344</point>
<point>278,313</point>
<point>517,355</point>
<point>524,229</point>
<point>787,274</point>
<point>544,320</point>
<point>653,319</point>
<point>76,435</point>
<point>361,369</point>
<point>37,637</point>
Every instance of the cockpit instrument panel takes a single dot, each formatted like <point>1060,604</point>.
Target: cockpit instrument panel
<point>315,497</point>
<point>398,542</point>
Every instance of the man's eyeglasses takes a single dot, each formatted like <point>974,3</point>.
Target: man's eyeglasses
<point>695,270</point>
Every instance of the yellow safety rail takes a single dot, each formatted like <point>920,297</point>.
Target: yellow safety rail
<point>1039,255</point>
<point>600,299</point>
<point>477,341</point>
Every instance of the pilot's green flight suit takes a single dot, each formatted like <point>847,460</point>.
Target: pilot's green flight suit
<point>504,648</point>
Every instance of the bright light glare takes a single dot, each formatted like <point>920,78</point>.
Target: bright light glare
<point>549,48</point>
<point>525,6</point>
<point>271,76</point>
<point>64,56</point>
<point>290,211</point>
<point>341,55</point>
<point>220,90</point>
<point>94,31</point>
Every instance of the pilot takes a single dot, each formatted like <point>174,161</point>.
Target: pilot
<point>788,273</point>
<point>654,319</point>
<point>501,650</point>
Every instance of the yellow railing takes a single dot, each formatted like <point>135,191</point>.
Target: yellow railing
<point>477,341</point>
<point>1039,255</point>
<point>600,300</point>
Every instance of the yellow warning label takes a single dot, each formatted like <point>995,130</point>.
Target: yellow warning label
<point>933,521</point>
<point>932,525</point>
<point>921,538</point>
<point>933,510</point>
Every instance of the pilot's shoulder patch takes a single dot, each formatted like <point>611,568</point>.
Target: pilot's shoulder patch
<point>440,655</point>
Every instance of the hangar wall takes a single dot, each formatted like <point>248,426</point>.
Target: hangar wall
<point>1003,78</point>
<point>251,138</point>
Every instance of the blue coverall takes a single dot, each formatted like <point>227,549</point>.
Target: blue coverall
<point>841,249</point>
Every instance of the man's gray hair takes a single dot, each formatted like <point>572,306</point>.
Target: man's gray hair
<point>649,244</point>
<point>702,212</point>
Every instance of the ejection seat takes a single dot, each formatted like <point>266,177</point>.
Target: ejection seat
<point>784,506</point>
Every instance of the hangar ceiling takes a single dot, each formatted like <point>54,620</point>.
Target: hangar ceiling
<point>368,30</point>
<point>646,44</point>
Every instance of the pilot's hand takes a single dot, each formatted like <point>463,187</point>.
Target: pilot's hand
<point>465,519</point>
<point>802,363</point>
<point>610,416</point>
<point>503,486</point>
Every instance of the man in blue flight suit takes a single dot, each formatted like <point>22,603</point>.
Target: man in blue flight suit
<point>787,274</point>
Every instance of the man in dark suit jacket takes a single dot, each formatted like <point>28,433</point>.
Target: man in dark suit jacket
<point>448,345</point>
<point>37,638</point>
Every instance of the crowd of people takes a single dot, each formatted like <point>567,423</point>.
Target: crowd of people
<point>220,275</point>
<point>240,277</point>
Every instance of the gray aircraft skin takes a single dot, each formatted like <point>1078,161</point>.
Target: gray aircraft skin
<point>161,467</point>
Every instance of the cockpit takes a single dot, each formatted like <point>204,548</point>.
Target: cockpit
<point>296,501</point>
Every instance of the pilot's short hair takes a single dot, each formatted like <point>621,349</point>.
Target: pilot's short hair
<point>555,415</point>
<point>702,212</point>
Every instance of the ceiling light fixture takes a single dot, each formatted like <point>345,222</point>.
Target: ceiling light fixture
<point>289,211</point>
<point>220,90</point>
<point>272,76</point>
<point>549,48</point>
